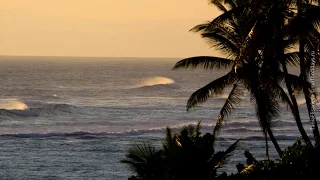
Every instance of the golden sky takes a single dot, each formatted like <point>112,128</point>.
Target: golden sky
<point>113,28</point>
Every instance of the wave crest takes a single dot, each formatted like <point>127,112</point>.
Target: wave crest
<point>49,109</point>
<point>155,81</point>
<point>12,104</point>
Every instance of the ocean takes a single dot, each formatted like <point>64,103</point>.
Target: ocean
<point>76,117</point>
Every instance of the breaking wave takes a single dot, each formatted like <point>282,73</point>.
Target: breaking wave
<point>157,82</point>
<point>22,110</point>
<point>12,104</point>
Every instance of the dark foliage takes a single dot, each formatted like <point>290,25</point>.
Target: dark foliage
<point>185,155</point>
<point>299,161</point>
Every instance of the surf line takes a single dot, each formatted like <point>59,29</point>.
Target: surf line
<point>313,97</point>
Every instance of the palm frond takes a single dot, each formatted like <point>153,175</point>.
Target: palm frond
<point>231,148</point>
<point>304,22</point>
<point>266,106</point>
<point>228,30</point>
<point>138,156</point>
<point>292,59</point>
<point>313,14</point>
<point>222,43</point>
<point>312,39</point>
<point>284,98</point>
<point>189,130</point>
<point>206,62</point>
<point>233,99</point>
<point>250,45</point>
<point>221,157</point>
<point>218,4</point>
<point>294,81</point>
<point>225,19</point>
<point>200,27</point>
<point>231,3</point>
<point>197,130</point>
<point>290,43</point>
<point>215,87</point>
<point>169,140</point>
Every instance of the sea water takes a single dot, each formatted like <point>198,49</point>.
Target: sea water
<point>75,118</point>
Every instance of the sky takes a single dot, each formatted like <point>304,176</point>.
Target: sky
<point>108,28</point>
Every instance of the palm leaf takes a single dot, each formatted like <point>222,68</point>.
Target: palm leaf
<point>266,105</point>
<point>169,140</point>
<point>215,87</point>
<point>312,14</point>
<point>292,59</point>
<point>229,30</point>
<point>201,27</point>
<point>285,99</point>
<point>218,4</point>
<point>231,148</point>
<point>233,99</point>
<point>293,80</point>
<point>313,36</point>
<point>221,157</point>
<point>207,62</point>
<point>231,3</point>
<point>222,43</point>
<point>221,19</point>
<point>197,130</point>
<point>304,22</point>
<point>138,157</point>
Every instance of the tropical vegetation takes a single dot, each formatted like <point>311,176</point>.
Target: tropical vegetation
<point>261,41</point>
<point>258,37</point>
<point>184,155</point>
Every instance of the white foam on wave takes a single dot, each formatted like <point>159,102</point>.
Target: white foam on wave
<point>155,81</point>
<point>12,104</point>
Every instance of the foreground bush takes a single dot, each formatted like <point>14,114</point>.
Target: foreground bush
<point>299,161</point>
<point>188,155</point>
<point>184,155</point>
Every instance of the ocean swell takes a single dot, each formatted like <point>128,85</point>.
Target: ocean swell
<point>49,109</point>
<point>91,135</point>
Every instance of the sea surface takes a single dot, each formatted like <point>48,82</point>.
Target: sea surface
<point>75,118</point>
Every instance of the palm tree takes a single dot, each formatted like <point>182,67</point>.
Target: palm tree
<point>306,17</point>
<point>308,14</point>
<point>227,32</point>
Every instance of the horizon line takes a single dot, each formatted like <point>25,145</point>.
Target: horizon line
<point>144,57</point>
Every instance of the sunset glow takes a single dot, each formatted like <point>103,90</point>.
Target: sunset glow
<point>125,28</point>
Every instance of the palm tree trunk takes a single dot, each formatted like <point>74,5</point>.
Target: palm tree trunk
<point>315,129</point>
<point>313,121</point>
<point>274,141</point>
<point>267,147</point>
<point>312,117</point>
<point>296,113</point>
<point>279,24</point>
